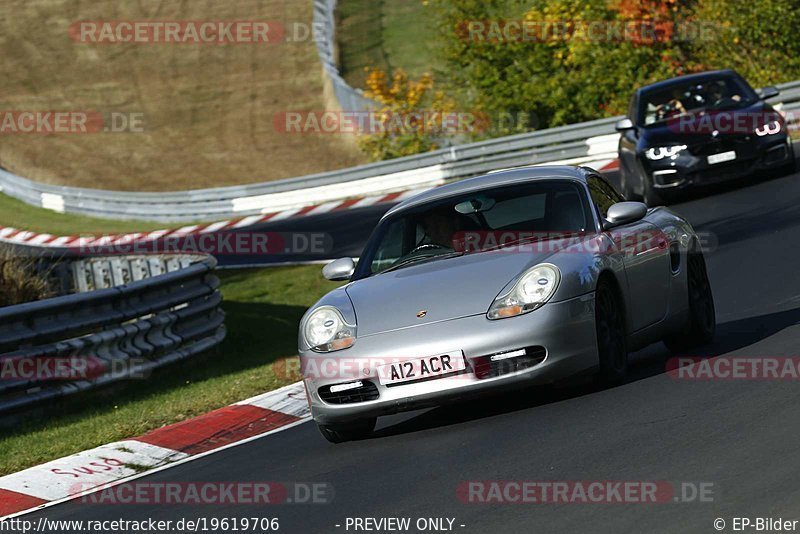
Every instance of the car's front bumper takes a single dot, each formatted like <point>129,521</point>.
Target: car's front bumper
<point>691,168</point>
<point>565,329</point>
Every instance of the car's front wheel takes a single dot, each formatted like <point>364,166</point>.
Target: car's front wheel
<point>352,430</point>
<point>612,346</point>
<point>702,317</point>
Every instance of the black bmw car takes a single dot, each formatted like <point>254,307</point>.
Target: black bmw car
<point>695,130</point>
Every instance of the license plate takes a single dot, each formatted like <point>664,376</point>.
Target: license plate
<point>722,156</point>
<point>421,368</point>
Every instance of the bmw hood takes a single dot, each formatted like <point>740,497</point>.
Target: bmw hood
<point>435,291</point>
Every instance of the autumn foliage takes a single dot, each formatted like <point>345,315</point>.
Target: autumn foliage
<point>410,113</point>
<point>559,62</point>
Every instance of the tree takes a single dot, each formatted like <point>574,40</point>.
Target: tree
<point>758,38</point>
<point>556,62</point>
<point>412,117</point>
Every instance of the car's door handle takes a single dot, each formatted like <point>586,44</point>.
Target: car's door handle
<point>660,244</point>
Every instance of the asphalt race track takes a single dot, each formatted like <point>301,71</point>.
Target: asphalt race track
<point>741,436</point>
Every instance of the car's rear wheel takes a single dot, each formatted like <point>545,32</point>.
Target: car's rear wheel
<point>702,316</point>
<point>352,430</point>
<point>612,346</point>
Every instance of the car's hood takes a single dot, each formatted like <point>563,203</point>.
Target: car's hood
<point>445,289</point>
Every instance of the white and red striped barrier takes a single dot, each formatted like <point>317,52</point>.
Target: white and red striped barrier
<point>84,242</point>
<point>111,464</point>
<point>88,242</point>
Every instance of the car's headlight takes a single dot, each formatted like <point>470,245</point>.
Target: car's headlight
<point>533,289</point>
<point>769,129</point>
<point>325,330</point>
<point>661,152</point>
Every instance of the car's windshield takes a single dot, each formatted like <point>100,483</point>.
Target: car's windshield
<point>690,98</point>
<point>446,227</point>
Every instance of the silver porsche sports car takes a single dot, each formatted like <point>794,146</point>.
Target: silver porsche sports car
<point>517,277</point>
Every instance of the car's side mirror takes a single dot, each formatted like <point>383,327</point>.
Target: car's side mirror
<point>341,269</point>
<point>623,124</point>
<point>769,91</point>
<point>624,213</point>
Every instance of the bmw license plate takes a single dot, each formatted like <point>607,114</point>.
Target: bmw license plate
<point>422,368</point>
<point>721,157</point>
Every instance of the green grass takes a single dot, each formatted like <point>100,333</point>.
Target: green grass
<point>263,310</point>
<point>17,214</point>
<point>384,34</point>
<point>408,36</point>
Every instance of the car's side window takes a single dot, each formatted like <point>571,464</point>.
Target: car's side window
<point>611,190</point>
<point>603,195</point>
<point>391,247</point>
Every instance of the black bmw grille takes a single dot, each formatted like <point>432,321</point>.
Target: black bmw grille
<point>367,392</point>
<point>742,144</point>
<point>486,368</point>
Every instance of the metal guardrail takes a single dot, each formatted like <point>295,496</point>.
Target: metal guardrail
<point>92,273</point>
<point>574,143</point>
<point>67,344</point>
<point>349,98</point>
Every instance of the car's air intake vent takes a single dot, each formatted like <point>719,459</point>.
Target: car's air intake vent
<point>367,391</point>
<point>775,154</point>
<point>503,363</point>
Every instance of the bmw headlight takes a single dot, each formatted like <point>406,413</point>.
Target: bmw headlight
<point>533,289</point>
<point>325,330</point>
<point>769,129</point>
<point>662,152</point>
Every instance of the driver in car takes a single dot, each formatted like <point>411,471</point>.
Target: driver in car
<point>673,107</point>
<point>719,93</point>
<point>439,231</point>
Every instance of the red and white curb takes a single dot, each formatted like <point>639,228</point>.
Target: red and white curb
<point>23,237</point>
<point>111,464</point>
<point>84,242</point>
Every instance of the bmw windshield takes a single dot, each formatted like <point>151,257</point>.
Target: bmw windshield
<point>694,98</point>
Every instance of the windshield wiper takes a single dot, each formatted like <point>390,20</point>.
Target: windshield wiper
<point>416,259</point>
